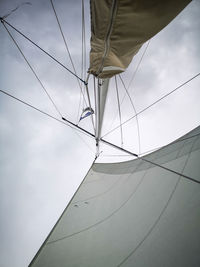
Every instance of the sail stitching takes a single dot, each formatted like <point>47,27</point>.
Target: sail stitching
<point>109,216</point>
<point>162,212</point>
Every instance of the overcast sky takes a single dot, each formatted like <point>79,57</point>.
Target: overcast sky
<point>43,161</point>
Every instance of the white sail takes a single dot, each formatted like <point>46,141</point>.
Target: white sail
<point>133,213</point>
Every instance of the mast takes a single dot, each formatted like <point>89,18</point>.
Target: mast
<point>100,101</point>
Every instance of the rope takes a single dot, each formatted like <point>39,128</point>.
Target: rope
<point>4,21</point>
<point>166,95</point>
<point>48,95</point>
<point>120,118</point>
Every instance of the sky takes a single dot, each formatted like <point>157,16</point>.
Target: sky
<point>42,161</point>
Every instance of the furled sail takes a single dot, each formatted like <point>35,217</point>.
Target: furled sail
<point>120,27</point>
<point>133,213</point>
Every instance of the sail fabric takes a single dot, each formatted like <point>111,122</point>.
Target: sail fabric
<point>133,214</point>
<point>120,27</point>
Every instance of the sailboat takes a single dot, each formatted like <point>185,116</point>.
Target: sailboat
<point>141,212</point>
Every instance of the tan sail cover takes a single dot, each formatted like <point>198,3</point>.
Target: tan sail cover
<point>120,27</point>
<point>133,214</point>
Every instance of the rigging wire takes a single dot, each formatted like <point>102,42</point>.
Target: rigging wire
<point>45,90</point>
<point>151,162</point>
<point>123,123</point>
<point>90,106</point>
<point>83,41</point>
<point>138,65</point>
<point>170,170</point>
<point>81,130</point>
<point>157,148</point>
<point>63,121</point>
<point>66,46</point>
<point>136,117</point>
<point>13,10</point>
<point>166,95</point>
<point>176,141</point>
<point>70,57</point>
<point>79,108</point>
<point>134,74</point>
<point>120,117</point>
<point>27,38</point>
<point>83,57</point>
<point>85,83</point>
<point>106,155</point>
<point>64,39</point>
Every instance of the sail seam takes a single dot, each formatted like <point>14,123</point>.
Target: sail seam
<point>162,212</point>
<point>109,31</point>
<point>110,215</point>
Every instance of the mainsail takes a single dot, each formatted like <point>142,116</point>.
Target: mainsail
<point>133,213</point>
